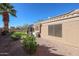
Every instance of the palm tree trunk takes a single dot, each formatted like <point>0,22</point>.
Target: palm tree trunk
<point>6,20</point>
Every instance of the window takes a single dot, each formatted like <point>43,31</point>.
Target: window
<point>55,30</point>
<point>51,30</point>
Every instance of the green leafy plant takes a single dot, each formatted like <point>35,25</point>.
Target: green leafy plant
<point>29,44</point>
<point>17,35</point>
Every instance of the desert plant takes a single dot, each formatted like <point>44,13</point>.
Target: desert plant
<point>17,35</point>
<point>29,44</point>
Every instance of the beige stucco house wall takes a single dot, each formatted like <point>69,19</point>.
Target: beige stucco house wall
<point>70,28</point>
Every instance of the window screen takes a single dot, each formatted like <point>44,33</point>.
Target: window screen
<point>55,30</point>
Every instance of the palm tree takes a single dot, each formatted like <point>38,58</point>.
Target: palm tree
<point>7,9</point>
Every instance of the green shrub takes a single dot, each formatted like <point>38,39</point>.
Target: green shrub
<point>17,35</point>
<point>29,44</point>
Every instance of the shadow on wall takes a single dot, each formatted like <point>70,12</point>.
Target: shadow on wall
<point>44,51</point>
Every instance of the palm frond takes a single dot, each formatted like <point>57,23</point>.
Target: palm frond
<point>8,7</point>
<point>13,12</point>
<point>2,7</point>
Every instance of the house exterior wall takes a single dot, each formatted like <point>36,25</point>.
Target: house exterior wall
<point>70,31</point>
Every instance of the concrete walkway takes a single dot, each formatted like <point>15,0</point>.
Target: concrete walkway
<point>55,48</point>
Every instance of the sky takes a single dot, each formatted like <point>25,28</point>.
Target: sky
<point>29,13</point>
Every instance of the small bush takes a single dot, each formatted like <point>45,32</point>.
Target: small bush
<point>29,44</point>
<point>17,35</point>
